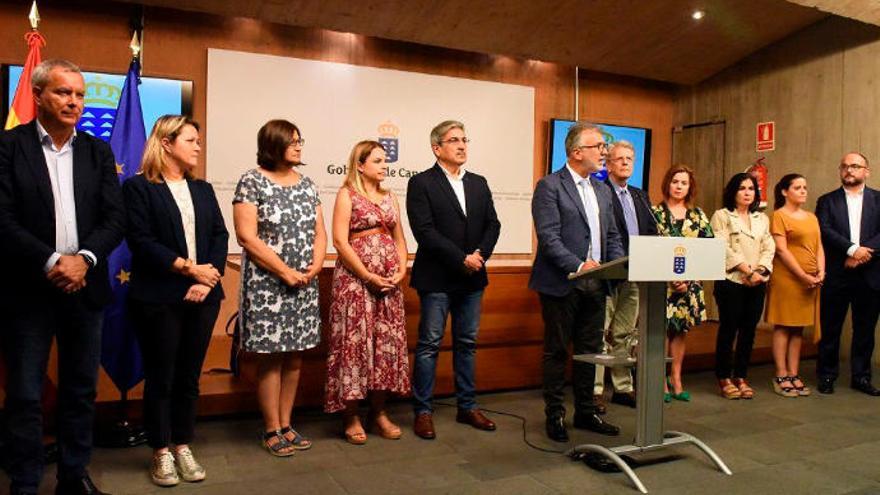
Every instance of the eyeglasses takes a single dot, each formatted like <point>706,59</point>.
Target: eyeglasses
<point>297,142</point>
<point>599,146</point>
<point>455,141</point>
<point>852,166</point>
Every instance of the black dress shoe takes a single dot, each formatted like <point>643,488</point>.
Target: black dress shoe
<point>594,422</point>
<point>825,386</point>
<point>864,385</point>
<point>627,399</point>
<point>556,429</point>
<point>81,486</point>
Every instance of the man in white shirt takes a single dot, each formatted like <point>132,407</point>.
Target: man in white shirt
<point>61,215</point>
<point>849,219</point>
<point>576,231</point>
<point>453,219</point>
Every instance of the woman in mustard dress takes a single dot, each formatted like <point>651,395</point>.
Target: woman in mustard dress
<point>798,272</point>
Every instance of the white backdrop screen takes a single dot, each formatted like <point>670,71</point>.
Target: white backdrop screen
<point>336,105</point>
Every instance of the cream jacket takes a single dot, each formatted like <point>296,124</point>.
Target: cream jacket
<point>751,244</point>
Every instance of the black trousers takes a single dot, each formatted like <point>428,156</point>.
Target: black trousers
<point>576,319</point>
<point>739,310</point>
<point>27,341</point>
<point>837,297</point>
<point>174,339</point>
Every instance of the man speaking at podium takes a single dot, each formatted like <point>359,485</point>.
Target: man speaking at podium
<point>576,231</point>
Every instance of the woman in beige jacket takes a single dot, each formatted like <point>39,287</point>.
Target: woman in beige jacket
<point>740,297</point>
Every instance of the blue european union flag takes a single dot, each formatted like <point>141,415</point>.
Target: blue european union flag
<point>120,354</point>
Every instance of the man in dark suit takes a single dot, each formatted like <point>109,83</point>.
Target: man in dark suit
<point>61,215</point>
<point>632,212</point>
<point>849,218</point>
<point>576,231</point>
<point>453,219</point>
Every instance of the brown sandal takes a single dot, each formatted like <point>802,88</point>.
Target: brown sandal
<point>745,391</point>
<point>728,389</point>
<point>356,437</point>
<point>391,433</point>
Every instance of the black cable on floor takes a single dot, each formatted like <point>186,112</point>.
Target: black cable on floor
<point>517,416</point>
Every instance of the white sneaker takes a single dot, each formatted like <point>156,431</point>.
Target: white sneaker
<point>189,468</point>
<point>162,470</point>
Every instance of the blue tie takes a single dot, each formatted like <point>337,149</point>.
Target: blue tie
<point>593,221</point>
<point>629,212</point>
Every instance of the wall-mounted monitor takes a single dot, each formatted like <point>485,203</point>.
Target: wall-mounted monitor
<point>638,136</point>
<point>158,97</point>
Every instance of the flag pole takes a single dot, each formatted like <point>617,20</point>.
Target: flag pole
<point>123,433</point>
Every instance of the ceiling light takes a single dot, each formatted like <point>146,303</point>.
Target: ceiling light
<point>698,14</point>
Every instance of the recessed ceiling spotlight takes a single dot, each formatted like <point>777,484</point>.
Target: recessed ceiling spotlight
<point>698,14</point>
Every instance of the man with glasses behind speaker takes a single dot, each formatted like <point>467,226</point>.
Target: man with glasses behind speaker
<point>576,231</point>
<point>632,211</point>
<point>849,219</point>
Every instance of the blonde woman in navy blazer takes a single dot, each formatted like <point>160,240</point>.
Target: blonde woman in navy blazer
<point>178,242</point>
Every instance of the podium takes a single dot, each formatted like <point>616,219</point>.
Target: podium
<point>652,262</point>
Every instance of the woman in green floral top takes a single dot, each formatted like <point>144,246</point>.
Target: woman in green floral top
<point>685,303</point>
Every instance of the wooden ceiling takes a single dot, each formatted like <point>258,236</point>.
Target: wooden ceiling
<point>653,39</point>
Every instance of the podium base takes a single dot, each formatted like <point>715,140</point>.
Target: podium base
<point>607,459</point>
<point>120,435</point>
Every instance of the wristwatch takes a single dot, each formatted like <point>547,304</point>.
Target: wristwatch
<point>88,260</point>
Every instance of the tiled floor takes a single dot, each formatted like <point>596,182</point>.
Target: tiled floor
<point>822,445</point>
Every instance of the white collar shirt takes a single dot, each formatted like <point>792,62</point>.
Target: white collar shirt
<point>591,207</point>
<point>59,162</point>
<point>457,183</point>
<point>854,212</point>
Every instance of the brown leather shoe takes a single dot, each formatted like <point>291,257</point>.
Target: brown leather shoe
<point>424,426</point>
<point>476,419</point>
<point>601,407</point>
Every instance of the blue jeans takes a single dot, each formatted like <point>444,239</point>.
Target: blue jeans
<point>465,310</point>
<point>27,342</point>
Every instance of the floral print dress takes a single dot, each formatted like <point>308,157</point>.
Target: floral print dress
<point>367,332</point>
<point>683,309</point>
<point>273,316</point>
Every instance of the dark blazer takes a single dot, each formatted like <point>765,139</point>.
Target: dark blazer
<point>564,234</point>
<point>27,215</point>
<point>445,234</point>
<point>156,238</point>
<point>644,217</point>
<point>834,224</point>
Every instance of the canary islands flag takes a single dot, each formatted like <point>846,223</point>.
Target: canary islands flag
<point>120,354</point>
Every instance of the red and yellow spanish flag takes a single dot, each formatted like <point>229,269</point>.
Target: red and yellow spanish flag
<point>24,108</point>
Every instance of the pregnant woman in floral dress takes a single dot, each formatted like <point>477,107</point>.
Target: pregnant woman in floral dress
<point>368,352</point>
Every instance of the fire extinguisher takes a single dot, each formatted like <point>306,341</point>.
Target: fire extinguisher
<point>758,170</point>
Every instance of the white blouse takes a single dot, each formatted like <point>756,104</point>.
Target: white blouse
<point>180,192</point>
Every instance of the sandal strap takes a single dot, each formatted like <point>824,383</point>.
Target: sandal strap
<point>278,446</point>
<point>742,384</point>
<point>798,378</point>
<point>781,379</point>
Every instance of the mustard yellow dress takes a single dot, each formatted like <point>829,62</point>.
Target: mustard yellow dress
<point>789,302</point>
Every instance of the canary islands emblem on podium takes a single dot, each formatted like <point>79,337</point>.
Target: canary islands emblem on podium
<point>388,138</point>
<point>679,259</point>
